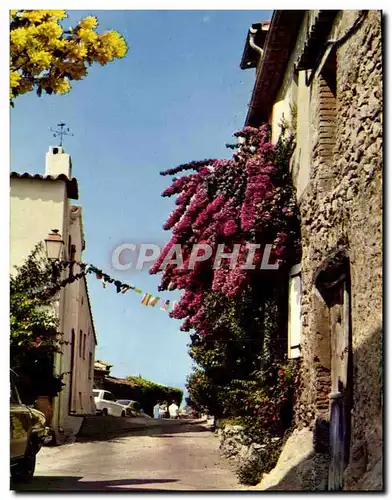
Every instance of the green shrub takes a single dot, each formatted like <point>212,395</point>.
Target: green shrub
<point>145,392</point>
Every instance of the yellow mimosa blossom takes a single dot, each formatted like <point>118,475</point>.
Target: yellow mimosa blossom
<point>58,14</point>
<point>34,16</point>
<point>50,29</point>
<point>88,23</point>
<point>38,43</point>
<point>77,50</point>
<point>61,86</point>
<point>59,44</point>
<point>18,38</point>
<point>40,58</point>
<point>87,35</point>
<point>116,42</point>
<point>15,78</point>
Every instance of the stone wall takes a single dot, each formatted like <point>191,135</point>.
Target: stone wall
<point>250,459</point>
<point>342,206</point>
<point>300,466</point>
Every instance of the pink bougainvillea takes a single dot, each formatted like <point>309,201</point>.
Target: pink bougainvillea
<point>245,199</point>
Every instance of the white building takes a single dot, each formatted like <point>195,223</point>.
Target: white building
<point>39,204</point>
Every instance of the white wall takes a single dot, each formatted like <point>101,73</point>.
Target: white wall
<point>295,95</point>
<point>84,364</point>
<point>82,386</point>
<point>76,398</point>
<point>36,207</point>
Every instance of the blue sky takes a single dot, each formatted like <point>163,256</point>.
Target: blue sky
<point>177,96</point>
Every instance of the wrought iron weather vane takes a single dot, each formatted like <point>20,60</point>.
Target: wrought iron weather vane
<point>61,131</point>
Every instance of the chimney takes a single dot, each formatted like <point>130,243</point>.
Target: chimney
<point>58,162</point>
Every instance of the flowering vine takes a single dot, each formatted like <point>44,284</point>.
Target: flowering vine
<point>245,200</point>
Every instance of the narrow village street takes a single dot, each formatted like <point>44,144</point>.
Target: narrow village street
<point>196,250</point>
<point>176,457</point>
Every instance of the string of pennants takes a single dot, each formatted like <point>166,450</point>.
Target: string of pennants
<point>148,299</point>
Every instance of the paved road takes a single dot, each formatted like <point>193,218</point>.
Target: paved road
<point>179,457</point>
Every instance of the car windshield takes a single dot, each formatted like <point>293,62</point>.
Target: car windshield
<point>124,402</point>
<point>95,393</point>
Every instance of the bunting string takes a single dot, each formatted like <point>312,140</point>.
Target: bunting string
<point>148,299</point>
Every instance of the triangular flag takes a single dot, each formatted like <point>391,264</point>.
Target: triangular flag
<point>99,276</point>
<point>104,282</point>
<point>138,291</point>
<point>125,288</point>
<point>146,299</point>
<point>165,305</point>
<point>154,301</point>
<point>173,303</point>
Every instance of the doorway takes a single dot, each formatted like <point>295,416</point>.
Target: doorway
<point>333,283</point>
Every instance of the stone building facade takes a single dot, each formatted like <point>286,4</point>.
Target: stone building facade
<point>322,72</point>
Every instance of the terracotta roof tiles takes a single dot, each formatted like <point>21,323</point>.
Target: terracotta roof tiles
<point>72,184</point>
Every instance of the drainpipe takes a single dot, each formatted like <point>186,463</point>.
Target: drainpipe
<point>252,33</point>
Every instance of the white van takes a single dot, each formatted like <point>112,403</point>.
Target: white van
<point>106,404</point>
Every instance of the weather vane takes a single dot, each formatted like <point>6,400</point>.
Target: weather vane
<point>61,132</point>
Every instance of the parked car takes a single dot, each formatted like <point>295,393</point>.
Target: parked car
<point>28,432</point>
<point>132,408</point>
<point>106,404</point>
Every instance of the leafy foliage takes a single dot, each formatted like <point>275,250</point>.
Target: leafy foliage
<point>145,392</point>
<point>246,200</point>
<point>34,337</point>
<point>47,58</point>
<point>237,318</point>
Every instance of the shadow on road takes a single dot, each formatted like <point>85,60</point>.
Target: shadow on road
<point>74,483</point>
<point>166,429</point>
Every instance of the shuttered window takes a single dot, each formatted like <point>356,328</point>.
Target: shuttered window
<point>295,323</point>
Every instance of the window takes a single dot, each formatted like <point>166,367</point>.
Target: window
<point>90,364</point>
<point>71,255</point>
<point>80,343</point>
<point>84,346</point>
<point>108,396</point>
<point>72,367</point>
<point>295,320</point>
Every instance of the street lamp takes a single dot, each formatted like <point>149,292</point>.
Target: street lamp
<point>54,244</point>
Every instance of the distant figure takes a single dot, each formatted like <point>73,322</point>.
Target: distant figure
<point>173,410</point>
<point>156,409</point>
<point>162,411</point>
